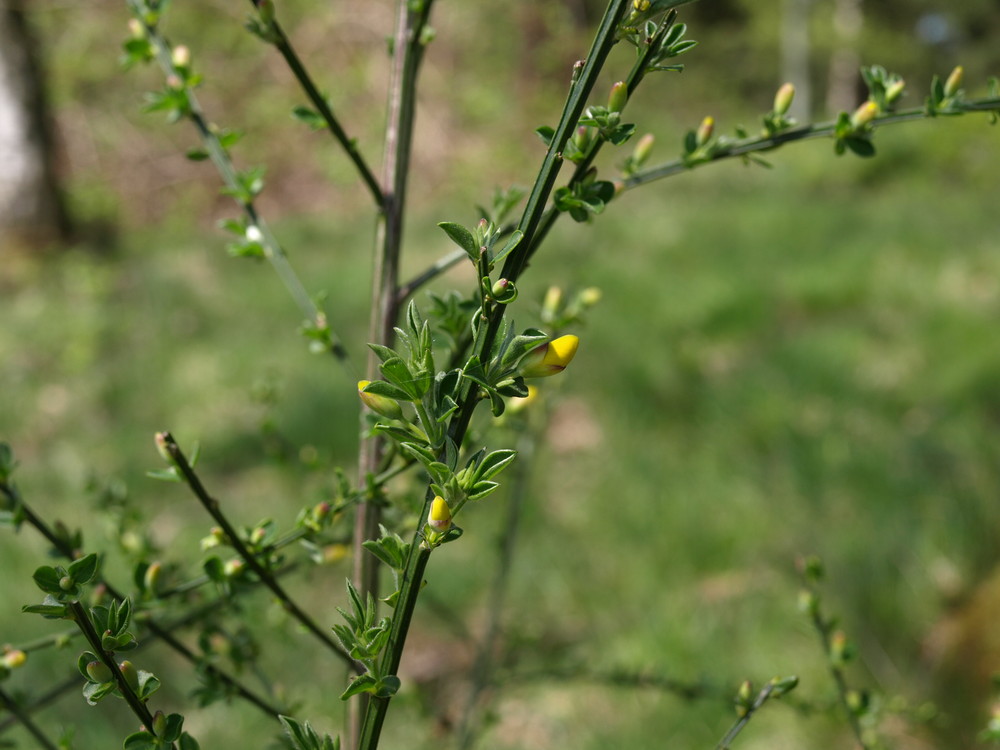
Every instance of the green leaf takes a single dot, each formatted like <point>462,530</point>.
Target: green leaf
<point>149,683</point>
<point>96,691</point>
<point>397,373</point>
<point>84,569</point>
<point>310,117</point>
<point>860,146</point>
<point>50,609</point>
<point>462,237</point>
<point>513,241</point>
<point>382,388</point>
<point>188,742</point>
<point>482,489</point>
<point>384,352</point>
<point>165,475</point>
<point>363,683</point>
<point>197,154</point>
<point>494,463</point>
<point>141,741</point>
<point>546,134</point>
<point>388,686</point>
<point>47,579</point>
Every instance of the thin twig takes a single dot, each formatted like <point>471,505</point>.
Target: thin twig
<point>322,106</point>
<point>806,132</point>
<point>137,705</point>
<point>170,448</point>
<point>159,631</point>
<point>52,694</point>
<point>273,251</point>
<point>407,54</point>
<point>23,717</point>
<point>744,719</point>
<point>437,268</point>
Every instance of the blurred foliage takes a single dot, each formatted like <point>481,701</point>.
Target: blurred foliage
<point>815,370</point>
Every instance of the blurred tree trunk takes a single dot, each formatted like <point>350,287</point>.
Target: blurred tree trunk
<point>842,85</point>
<point>795,55</point>
<point>32,212</point>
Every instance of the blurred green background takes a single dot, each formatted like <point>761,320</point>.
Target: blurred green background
<point>788,361</point>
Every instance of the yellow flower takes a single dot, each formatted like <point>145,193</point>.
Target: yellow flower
<point>383,405</point>
<point>439,518</point>
<point>551,358</point>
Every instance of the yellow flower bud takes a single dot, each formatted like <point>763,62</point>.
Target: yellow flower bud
<point>705,131</point>
<point>14,658</point>
<point>551,358</point>
<point>864,114</point>
<point>383,405</point>
<point>954,82</point>
<point>439,518</point>
<point>640,5</point>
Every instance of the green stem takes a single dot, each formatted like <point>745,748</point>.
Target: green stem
<point>807,132</point>
<point>323,107</point>
<point>408,51</point>
<point>417,561</point>
<point>24,718</point>
<point>166,442</point>
<point>759,701</point>
<point>82,619</point>
<point>604,40</point>
<point>436,269</point>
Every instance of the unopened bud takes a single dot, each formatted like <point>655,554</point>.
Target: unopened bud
<point>954,82</point>
<point>744,698</point>
<point>582,138</point>
<point>99,672</point>
<point>439,517</point>
<point>333,553</point>
<point>181,56</point>
<point>618,97</point>
<point>321,510</point>
<point>153,578</point>
<point>808,602</point>
<point>864,114</point>
<point>551,303</point>
<point>174,81</point>
<point>130,674</point>
<point>254,234</point>
<point>590,296</point>
<point>783,99</point>
<point>642,149</point>
<point>550,358</point>
<point>14,658</point>
<point>257,535</point>
<point>504,291</point>
<point>159,724</point>
<point>782,685</point>
<point>577,70</point>
<point>383,405</point>
<point>266,10</point>
<point>705,131</point>
<point>135,29</point>
<point>233,568</point>
<point>841,650</point>
<point>66,583</point>
<point>640,5</point>
<point>895,90</point>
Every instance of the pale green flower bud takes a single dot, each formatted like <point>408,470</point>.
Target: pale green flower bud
<point>618,97</point>
<point>783,99</point>
<point>382,405</point>
<point>705,131</point>
<point>954,82</point>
